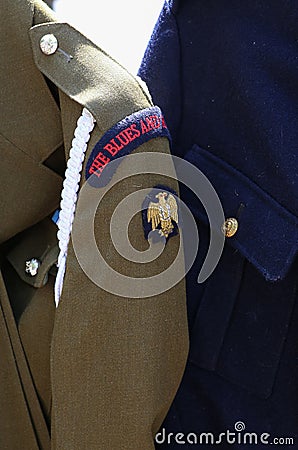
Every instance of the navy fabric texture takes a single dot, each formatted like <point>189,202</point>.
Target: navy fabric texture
<point>225,75</point>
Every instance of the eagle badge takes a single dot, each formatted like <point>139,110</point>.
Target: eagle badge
<point>163,213</point>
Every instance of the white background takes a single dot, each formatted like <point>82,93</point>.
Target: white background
<point>120,27</point>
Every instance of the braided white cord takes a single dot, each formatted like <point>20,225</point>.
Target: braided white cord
<point>85,125</point>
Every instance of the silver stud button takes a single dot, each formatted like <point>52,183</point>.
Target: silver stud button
<point>32,266</point>
<point>48,44</point>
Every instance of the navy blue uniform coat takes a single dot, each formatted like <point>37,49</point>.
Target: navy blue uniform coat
<point>226,76</point>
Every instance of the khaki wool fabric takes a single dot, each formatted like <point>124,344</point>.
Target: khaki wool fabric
<point>100,371</point>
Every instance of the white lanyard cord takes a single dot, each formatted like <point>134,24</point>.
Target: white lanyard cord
<point>85,125</point>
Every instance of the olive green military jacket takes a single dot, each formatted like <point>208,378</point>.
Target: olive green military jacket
<point>100,371</point>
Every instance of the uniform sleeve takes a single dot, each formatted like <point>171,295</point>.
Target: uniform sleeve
<point>118,351</point>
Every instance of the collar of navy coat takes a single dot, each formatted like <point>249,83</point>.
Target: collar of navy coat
<point>233,113</point>
<point>174,5</point>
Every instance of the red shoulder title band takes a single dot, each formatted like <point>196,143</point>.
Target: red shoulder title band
<point>122,139</point>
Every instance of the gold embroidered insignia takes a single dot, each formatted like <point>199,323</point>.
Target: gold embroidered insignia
<point>163,212</point>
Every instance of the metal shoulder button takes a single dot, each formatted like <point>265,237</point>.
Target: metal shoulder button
<point>48,44</point>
